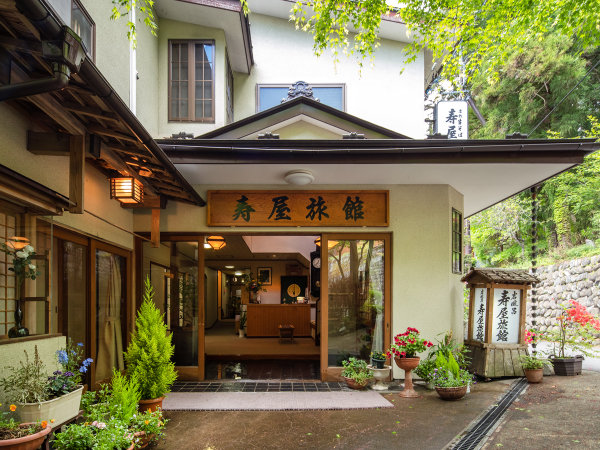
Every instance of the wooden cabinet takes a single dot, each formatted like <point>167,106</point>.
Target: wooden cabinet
<point>263,320</point>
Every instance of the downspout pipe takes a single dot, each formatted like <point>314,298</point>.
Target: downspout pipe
<point>33,87</point>
<point>63,51</point>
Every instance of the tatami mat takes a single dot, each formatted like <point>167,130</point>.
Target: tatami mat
<point>272,401</point>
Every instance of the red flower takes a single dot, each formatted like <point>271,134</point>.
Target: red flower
<point>402,354</point>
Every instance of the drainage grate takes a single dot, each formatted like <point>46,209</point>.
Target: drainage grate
<point>480,430</point>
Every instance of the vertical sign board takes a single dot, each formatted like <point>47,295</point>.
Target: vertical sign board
<point>451,118</point>
<point>479,314</point>
<point>507,313</point>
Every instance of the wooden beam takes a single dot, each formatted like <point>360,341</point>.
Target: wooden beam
<point>76,173</point>
<point>150,201</point>
<point>96,113</point>
<point>111,133</point>
<point>56,144</point>
<point>155,228</point>
<point>50,106</point>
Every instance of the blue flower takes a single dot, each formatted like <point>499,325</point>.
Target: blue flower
<point>68,374</point>
<point>87,362</point>
<point>83,369</point>
<point>80,344</point>
<point>62,356</point>
<point>58,372</point>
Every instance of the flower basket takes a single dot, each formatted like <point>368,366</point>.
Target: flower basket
<point>378,363</point>
<point>151,405</point>
<point>352,384</point>
<point>407,363</point>
<point>452,393</point>
<point>61,409</point>
<point>29,442</point>
<point>567,367</point>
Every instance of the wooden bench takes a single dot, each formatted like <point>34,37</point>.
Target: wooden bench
<point>286,332</point>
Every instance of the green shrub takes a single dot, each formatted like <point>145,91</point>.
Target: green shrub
<point>28,382</point>
<point>149,354</point>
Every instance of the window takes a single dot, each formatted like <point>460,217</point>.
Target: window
<point>457,230</point>
<point>270,95</point>
<point>84,26</point>
<point>191,81</point>
<point>8,228</point>
<point>229,91</point>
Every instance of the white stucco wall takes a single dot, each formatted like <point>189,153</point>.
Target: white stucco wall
<point>425,293</point>
<point>382,94</point>
<point>53,172</point>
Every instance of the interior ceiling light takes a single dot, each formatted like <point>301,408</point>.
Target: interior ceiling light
<point>238,274</point>
<point>330,243</point>
<point>216,242</point>
<point>229,267</point>
<point>299,177</point>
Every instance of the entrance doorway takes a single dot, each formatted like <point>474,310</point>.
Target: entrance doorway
<point>261,313</point>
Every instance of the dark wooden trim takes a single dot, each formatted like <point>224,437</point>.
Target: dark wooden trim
<point>55,144</point>
<point>76,173</point>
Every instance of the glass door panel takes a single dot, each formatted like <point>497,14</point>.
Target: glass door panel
<point>74,291</point>
<point>357,319</point>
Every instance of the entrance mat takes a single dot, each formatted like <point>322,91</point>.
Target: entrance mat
<point>258,386</point>
<point>272,401</point>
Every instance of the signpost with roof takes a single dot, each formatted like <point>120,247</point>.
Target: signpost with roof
<point>496,332</point>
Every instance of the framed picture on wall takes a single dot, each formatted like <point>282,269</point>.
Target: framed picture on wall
<point>264,276</point>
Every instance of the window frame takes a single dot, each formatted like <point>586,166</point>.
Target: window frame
<point>456,247</point>
<point>229,91</point>
<point>191,76</point>
<point>288,85</point>
<point>92,51</point>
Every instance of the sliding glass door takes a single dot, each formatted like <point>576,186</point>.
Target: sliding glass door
<point>356,298</point>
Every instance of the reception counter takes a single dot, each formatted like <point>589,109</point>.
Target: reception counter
<point>263,320</point>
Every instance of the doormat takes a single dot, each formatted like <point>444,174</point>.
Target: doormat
<point>272,401</point>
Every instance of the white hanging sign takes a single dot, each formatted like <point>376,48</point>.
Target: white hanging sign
<point>505,324</point>
<point>451,118</point>
<point>479,314</point>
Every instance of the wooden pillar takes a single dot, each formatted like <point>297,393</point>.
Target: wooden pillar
<point>76,172</point>
<point>155,228</point>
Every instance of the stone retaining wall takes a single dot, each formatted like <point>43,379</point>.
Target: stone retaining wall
<point>578,279</point>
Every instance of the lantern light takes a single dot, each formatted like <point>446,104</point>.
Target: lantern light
<point>330,243</point>
<point>17,242</point>
<point>216,242</point>
<point>127,190</point>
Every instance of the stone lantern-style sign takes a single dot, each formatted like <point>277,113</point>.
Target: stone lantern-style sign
<point>497,307</point>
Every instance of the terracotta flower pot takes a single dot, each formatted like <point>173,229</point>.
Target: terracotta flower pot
<point>451,393</point>
<point>352,384</point>
<point>408,364</point>
<point>151,404</point>
<point>534,375</point>
<point>29,442</point>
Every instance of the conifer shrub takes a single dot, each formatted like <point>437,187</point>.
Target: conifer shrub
<point>149,353</point>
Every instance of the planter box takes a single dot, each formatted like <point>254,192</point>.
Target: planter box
<point>60,409</point>
<point>567,367</point>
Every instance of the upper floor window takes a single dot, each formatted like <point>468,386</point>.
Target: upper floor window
<point>74,14</point>
<point>84,26</point>
<point>269,95</point>
<point>191,81</point>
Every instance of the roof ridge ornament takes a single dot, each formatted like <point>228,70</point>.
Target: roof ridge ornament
<point>299,89</point>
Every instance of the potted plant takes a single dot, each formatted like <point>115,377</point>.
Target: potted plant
<point>575,334</point>
<point>533,366</point>
<point>424,370</point>
<point>253,286</point>
<point>356,373</point>
<point>404,350</point>
<point>21,436</point>
<point>149,353</point>
<point>42,397</point>
<point>111,419</point>
<point>450,381</point>
<point>378,359</point>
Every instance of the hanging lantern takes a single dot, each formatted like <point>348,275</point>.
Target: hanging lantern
<point>17,242</point>
<point>216,242</point>
<point>330,243</point>
<point>126,190</point>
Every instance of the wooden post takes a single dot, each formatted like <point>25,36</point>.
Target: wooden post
<point>155,228</point>
<point>76,172</point>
